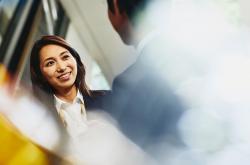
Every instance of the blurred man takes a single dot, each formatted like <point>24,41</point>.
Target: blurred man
<point>141,99</point>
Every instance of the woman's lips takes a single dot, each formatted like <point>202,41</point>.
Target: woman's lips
<point>64,76</point>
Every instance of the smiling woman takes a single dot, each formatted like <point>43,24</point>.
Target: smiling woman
<point>50,50</point>
<point>58,80</point>
<point>59,68</point>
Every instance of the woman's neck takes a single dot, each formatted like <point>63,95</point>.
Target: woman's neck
<point>68,94</point>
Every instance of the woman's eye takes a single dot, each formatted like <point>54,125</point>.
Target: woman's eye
<point>50,63</point>
<point>65,57</point>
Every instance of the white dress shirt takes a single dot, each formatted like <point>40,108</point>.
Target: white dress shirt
<point>73,115</point>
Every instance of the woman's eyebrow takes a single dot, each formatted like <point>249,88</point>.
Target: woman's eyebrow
<point>62,53</point>
<point>50,58</point>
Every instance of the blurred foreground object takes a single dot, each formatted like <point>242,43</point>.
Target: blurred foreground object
<point>3,75</point>
<point>16,149</point>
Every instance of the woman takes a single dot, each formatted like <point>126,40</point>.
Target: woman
<point>58,80</point>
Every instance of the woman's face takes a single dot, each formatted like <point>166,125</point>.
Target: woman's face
<point>58,67</point>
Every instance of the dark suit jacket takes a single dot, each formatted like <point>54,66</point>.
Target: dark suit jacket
<point>143,103</point>
<point>96,101</point>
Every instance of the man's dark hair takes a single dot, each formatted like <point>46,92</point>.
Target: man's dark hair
<point>130,7</point>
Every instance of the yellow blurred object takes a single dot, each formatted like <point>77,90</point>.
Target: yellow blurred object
<point>16,149</point>
<point>4,76</point>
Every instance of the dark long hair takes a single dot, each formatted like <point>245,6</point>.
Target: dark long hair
<point>37,78</point>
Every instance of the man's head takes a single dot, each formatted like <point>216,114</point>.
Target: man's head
<point>130,7</point>
<point>122,15</point>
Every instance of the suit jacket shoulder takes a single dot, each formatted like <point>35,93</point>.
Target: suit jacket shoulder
<point>96,100</point>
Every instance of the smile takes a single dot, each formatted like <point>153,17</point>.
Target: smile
<point>64,76</point>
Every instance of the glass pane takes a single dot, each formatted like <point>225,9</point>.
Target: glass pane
<point>7,9</point>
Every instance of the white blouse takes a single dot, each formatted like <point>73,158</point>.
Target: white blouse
<point>73,115</point>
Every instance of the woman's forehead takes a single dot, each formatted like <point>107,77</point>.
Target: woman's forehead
<point>52,50</point>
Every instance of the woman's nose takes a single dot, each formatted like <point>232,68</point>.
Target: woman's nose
<point>61,66</point>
